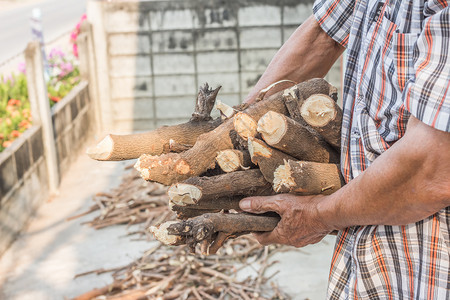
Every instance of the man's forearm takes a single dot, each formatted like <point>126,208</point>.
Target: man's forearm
<point>309,53</point>
<point>407,183</point>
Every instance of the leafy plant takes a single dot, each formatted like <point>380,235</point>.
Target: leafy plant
<point>64,75</point>
<point>15,113</point>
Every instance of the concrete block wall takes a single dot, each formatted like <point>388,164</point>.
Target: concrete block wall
<point>23,167</point>
<point>157,53</point>
<point>23,184</point>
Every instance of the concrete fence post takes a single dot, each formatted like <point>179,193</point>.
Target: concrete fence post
<point>95,16</point>
<point>40,108</point>
<point>88,70</point>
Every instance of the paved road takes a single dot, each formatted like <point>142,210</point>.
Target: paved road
<point>59,16</point>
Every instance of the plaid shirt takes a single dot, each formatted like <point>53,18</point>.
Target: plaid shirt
<point>398,64</point>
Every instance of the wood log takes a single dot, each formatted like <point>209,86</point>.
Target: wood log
<point>204,191</point>
<point>307,178</point>
<point>226,111</point>
<point>212,230</point>
<point>165,139</point>
<point>245,125</point>
<point>174,167</point>
<point>193,210</point>
<point>190,211</point>
<point>291,137</point>
<point>161,234</point>
<point>292,100</point>
<point>232,160</point>
<point>325,116</point>
<point>295,97</point>
<point>268,159</point>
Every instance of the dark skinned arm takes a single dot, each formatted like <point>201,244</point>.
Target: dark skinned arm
<point>308,53</point>
<point>406,184</point>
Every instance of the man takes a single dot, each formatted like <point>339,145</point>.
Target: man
<point>393,214</point>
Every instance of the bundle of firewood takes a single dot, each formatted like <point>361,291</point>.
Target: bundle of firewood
<point>286,143</point>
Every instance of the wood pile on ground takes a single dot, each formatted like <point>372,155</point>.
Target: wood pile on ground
<point>166,272</point>
<point>285,143</point>
<point>134,201</point>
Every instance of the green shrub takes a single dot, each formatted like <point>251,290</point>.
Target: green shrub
<point>15,113</point>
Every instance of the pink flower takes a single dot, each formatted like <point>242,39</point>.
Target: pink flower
<point>75,50</point>
<point>22,68</point>
<point>67,68</point>
<point>9,79</point>
<point>56,53</point>
<point>74,35</point>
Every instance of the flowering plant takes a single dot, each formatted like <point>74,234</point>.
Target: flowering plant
<point>15,114</point>
<point>64,75</point>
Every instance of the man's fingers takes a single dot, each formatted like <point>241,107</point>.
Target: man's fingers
<point>259,205</point>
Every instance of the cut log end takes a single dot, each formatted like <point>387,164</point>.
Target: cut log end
<point>244,125</point>
<point>102,151</point>
<point>258,148</point>
<point>283,180</point>
<point>318,110</point>
<point>272,127</point>
<point>161,234</point>
<point>225,110</point>
<point>184,194</point>
<point>231,160</point>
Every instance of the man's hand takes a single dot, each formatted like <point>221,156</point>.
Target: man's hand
<point>405,184</point>
<point>300,223</point>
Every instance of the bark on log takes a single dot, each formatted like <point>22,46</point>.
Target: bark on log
<point>162,140</point>
<point>212,230</point>
<point>232,160</point>
<point>268,159</point>
<point>307,178</point>
<point>173,167</point>
<point>325,116</point>
<point>217,205</point>
<point>191,211</point>
<point>291,137</point>
<point>203,191</point>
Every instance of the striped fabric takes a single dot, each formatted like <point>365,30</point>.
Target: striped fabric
<point>398,64</point>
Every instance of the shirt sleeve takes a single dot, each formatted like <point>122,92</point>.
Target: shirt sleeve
<point>426,96</point>
<point>335,18</point>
